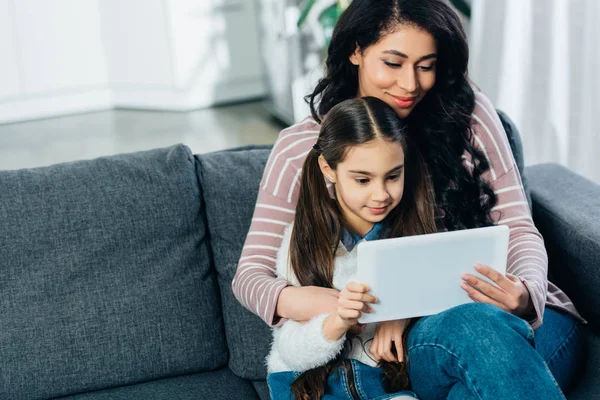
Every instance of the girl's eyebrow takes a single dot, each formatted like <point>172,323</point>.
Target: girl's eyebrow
<point>367,173</point>
<point>397,53</point>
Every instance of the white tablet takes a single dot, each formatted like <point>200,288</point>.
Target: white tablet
<point>421,275</point>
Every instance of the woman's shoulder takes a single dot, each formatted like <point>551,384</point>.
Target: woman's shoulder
<point>308,126</point>
<point>490,136</point>
<point>484,109</point>
<point>297,139</point>
<point>288,155</point>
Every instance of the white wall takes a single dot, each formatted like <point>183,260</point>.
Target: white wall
<point>53,58</point>
<point>66,56</point>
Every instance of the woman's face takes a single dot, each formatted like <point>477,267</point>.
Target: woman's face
<point>369,183</point>
<point>399,69</point>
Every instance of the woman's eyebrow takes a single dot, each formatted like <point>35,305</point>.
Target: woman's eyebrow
<point>397,53</point>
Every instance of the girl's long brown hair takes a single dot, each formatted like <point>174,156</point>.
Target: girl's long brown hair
<point>319,222</point>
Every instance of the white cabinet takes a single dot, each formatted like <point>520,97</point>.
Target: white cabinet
<point>292,65</point>
<point>195,53</point>
<point>64,56</point>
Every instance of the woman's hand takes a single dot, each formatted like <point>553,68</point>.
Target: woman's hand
<point>511,294</point>
<point>388,334</point>
<point>303,303</point>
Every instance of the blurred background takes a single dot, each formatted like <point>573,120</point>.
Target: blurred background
<point>86,78</point>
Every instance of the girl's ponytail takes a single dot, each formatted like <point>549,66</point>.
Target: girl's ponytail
<point>316,230</point>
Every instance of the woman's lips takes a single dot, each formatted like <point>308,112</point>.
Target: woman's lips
<point>403,102</point>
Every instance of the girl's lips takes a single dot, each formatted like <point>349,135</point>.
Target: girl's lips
<point>377,211</point>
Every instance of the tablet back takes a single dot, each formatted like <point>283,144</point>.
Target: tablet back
<point>421,275</point>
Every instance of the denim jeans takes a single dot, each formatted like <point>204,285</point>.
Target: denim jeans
<point>366,379</point>
<point>478,351</point>
<point>475,351</point>
<point>560,343</point>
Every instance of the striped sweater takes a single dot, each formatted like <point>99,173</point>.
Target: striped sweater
<point>256,285</point>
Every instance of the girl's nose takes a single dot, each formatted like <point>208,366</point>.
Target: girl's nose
<point>381,194</point>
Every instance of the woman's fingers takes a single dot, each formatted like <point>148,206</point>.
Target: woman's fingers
<point>479,297</point>
<point>486,288</point>
<point>494,275</point>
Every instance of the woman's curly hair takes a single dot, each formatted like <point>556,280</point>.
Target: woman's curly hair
<point>441,123</point>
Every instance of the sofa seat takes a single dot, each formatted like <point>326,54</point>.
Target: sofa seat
<point>221,384</point>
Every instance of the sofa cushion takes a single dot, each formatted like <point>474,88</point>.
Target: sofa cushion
<point>105,277</point>
<point>230,181</point>
<point>217,385</point>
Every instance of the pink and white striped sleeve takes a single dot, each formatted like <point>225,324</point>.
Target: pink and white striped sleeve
<point>255,284</point>
<point>527,257</point>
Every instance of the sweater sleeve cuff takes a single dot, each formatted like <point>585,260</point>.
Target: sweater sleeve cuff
<point>271,318</point>
<point>535,318</point>
<point>305,346</point>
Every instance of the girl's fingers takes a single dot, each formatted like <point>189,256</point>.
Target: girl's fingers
<point>348,314</point>
<point>399,349</point>
<point>386,350</point>
<point>358,291</point>
<point>357,287</point>
<point>374,347</point>
<point>355,305</point>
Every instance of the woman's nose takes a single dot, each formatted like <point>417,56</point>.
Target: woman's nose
<point>407,81</point>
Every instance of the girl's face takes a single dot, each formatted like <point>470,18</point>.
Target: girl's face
<point>399,69</point>
<point>369,182</point>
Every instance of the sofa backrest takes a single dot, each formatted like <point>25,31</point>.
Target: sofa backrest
<point>105,275</point>
<point>230,181</point>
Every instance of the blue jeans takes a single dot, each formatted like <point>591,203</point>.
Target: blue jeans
<point>366,379</point>
<point>478,351</point>
<point>475,351</point>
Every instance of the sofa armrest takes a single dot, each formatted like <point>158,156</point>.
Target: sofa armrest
<point>566,210</point>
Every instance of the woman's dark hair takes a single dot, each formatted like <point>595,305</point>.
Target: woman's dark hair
<point>319,222</point>
<point>440,124</point>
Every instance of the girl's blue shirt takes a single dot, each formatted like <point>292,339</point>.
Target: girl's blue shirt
<point>351,239</point>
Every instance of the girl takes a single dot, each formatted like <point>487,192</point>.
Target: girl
<point>413,55</point>
<point>380,189</point>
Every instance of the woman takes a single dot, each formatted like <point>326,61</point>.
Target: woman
<point>413,55</point>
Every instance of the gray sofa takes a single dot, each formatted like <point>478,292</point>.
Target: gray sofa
<point>115,275</point>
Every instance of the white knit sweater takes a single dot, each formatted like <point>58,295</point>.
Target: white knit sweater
<point>303,346</point>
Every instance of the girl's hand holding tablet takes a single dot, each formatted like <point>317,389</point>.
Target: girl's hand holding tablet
<point>353,300</point>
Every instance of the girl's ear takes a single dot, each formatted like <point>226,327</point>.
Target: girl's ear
<point>356,57</point>
<point>326,170</point>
